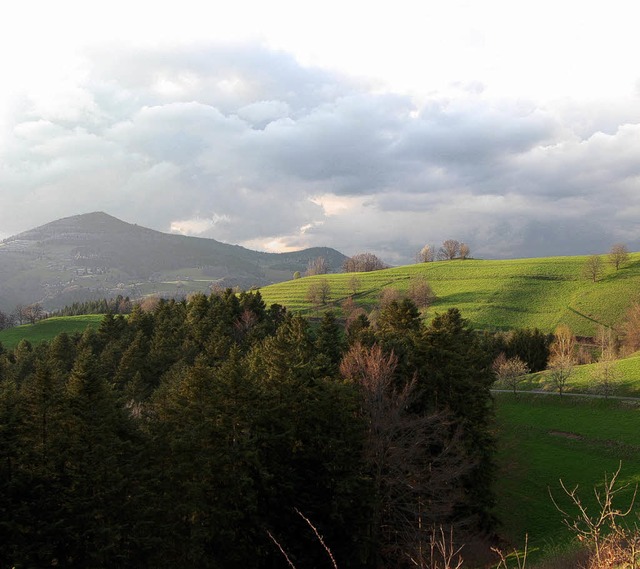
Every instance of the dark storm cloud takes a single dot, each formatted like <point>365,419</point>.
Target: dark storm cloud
<point>472,134</point>
<point>246,145</point>
<point>348,143</point>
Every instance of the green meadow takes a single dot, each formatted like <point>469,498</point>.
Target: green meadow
<point>625,382</point>
<point>543,439</point>
<point>48,329</point>
<point>493,295</point>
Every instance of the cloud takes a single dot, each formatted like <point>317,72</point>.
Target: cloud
<point>246,145</point>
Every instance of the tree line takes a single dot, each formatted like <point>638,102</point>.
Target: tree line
<point>202,433</point>
<point>32,313</point>
<point>594,266</point>
<point>449,250</point>
<point>366,262</point>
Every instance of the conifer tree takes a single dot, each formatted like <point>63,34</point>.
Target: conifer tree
<point>329,344</point>
<point>169,333</point>
<point>13,541</point>
<point>62,353</point>
<point>203,428</point>
<point>98,465</point>
<point>456,376</point>
<point>133,375</point>
<point>23,359</point>
<point>287,356</point>
<point>199,322</point>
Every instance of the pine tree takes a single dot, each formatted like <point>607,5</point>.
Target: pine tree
<point>205,447</point>
<point>13,521</point>
<point>42,445</point>
<point>62,353</point>
<point>329,345</point>
<point>456,376</point>
<point>99,468</point>
<point>134,369</point>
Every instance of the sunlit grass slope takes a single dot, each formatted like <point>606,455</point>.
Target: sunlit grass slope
<point>625,382</point>
<point>49,329</point>
<point>497,295</point>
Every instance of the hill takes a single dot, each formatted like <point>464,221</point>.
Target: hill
<point>96,255</point>
<point>495,295</point>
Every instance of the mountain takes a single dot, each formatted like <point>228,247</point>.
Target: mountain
<point>95,255</point>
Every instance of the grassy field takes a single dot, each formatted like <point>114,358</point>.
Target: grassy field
<point>496,295</point>
<point>493,295</point>
<point>48,329</point>
<point>544,439</point>
<point>584,379</point>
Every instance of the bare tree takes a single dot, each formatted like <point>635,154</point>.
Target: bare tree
<point>151,303</point>
<point>362,263</point>
<point>605,376</point>
<point>348,306</point>
<point>426,254</point>
<point>465,251</point>
<point>593,267</point>
<point>420,292</point>
<point>450,250</point>
<point>354,284</point>
<point>388,295</point>
<point>631,328</point>
<point>560,371</point>
<point>245,323</point>
<point>414,488</point>
<point>319,291</point>
<point>510,371</point>
<point>618,255</point>
<point>562,357</point>
<point>6,320</point>
<point>607,341</point>
<point>602,529</point>
<point>19,314</point>
<point>317,266</point>
<point>30,313</point>
<point>564,343</point>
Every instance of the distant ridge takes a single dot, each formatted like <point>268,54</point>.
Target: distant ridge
<point>95,255</point>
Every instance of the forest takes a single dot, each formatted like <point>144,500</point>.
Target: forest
<point>218,432</point>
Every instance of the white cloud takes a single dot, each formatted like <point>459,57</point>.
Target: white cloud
<point>448,129</point>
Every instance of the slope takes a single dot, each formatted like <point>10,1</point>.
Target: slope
<point>95,255</point>
<point>497,295</point>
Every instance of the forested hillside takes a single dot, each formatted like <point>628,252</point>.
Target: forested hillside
<point>94,256</point>
<point>202,433</point>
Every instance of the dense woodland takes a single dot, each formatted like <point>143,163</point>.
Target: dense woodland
<point>203,433</point>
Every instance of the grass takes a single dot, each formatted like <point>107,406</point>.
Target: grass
<point>48,329</point>
<point>543,439</point>
<point>626,384</point>
<point>494,295</point>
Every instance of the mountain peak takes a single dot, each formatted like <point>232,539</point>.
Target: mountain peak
<point>95,255</point>
<point>86,224</point>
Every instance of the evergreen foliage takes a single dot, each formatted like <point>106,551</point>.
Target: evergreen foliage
<point>185,436</point>
<point>117,305</point>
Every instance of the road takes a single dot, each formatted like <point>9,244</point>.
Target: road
<point>566,394</point>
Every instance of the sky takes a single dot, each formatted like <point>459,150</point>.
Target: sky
<point>364,126</point>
